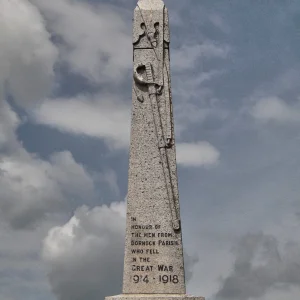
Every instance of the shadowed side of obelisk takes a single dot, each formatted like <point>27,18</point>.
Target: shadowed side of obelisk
<point>153,264</point>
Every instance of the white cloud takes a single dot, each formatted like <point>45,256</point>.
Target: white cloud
<point>260,265</point>
<point>95,39</point>
<point>9,122</point>
<point>275,109</point>
<point>90,44</point>
<point>101,118</point>
<point>110,178</point>
<point>23,276</point>
<point>219,22</point>
<point>187,56</point>
<point>27,55</point>
<point>274,293</point>
<point>197,154</point>
<point>31,188</point>
<point>87,253</point>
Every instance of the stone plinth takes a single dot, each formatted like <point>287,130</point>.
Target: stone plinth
<point>154,297</point>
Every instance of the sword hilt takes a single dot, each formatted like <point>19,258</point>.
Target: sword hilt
<point>149,72</point>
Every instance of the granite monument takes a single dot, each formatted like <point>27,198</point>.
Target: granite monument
<point>153,264</point>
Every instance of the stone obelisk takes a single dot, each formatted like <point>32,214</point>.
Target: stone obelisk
<point>153,265</point>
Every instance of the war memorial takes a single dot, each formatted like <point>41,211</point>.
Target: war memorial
<point>153,263</point>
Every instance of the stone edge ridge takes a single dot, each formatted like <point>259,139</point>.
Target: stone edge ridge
<point>154,296</point>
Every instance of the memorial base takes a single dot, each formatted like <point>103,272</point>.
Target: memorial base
<point>154,297</point>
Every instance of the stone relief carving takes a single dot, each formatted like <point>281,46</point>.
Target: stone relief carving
<point>152,35</point>
<point>139,73</point>
<point>149,74</point>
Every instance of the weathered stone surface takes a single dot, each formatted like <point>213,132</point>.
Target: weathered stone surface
<point>154,297</point>
<point>153,252</point>
<point>153,265</point>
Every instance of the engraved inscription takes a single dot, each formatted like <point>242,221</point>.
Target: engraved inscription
<point>146,241</point>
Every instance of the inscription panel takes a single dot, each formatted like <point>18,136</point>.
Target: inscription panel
<point>149,246</point>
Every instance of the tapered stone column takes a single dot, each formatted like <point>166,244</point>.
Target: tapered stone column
<point>153,265</point>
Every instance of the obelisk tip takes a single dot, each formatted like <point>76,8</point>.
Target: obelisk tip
<point>151,4</point>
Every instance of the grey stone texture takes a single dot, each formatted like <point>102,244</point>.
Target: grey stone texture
<point>153,264</point>
<point>153,252</point>
<point>154,297</point>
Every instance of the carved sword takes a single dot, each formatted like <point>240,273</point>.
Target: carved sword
<point>163,144</point>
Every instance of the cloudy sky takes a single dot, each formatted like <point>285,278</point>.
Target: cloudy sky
<point>65,99</point>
